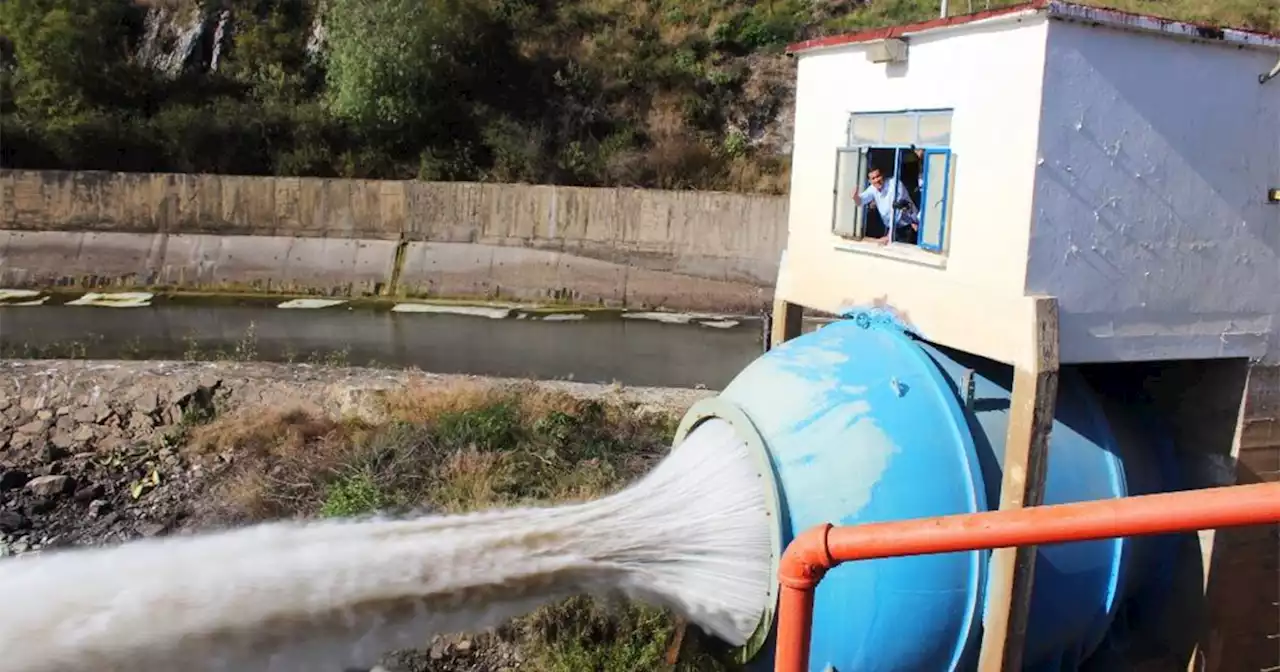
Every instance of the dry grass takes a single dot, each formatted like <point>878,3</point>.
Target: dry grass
<point>448,450</point>
<point>1262,15</point>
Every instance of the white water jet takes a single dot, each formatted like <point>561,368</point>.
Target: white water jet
<point>692,535</point>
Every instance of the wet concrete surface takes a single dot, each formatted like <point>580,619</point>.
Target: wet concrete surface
<point>582,347</point>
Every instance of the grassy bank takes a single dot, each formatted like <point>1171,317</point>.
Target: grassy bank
<point>454,450</point>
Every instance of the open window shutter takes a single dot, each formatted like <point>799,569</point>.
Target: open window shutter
<point>851,175</point>
<point>936,168</point>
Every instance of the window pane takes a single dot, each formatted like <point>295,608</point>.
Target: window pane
<point>900,129</point>
<point>866,129</point>
<point>935,129</point>
<point>850,174</point>
<point>934,215</point>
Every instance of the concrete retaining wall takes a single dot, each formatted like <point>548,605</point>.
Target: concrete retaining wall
<point>1244,586</point>
<point>638,248</point>
<point>1222,416</point>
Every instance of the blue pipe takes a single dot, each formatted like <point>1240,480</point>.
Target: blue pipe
<point>862,422</point>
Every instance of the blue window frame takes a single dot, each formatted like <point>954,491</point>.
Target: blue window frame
<point>875,134</point>
<point>935,167</point>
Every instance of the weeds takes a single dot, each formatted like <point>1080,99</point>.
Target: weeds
<point>330,358</point>
<point>246,349</point>
<point>582,634</point>
<point>79,349</point>
<point>353,495</point>
<point>455,450</point>
<point>495,425</point>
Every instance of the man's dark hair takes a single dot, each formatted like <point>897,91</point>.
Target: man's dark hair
<point>872,170</point>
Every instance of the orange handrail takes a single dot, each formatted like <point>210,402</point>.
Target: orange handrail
<point>818,549</point>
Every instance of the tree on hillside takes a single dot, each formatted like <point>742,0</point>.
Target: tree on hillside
<point>69,54</point>
<point>394,64</point>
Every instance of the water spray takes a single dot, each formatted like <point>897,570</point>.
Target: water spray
<point>692,535</point>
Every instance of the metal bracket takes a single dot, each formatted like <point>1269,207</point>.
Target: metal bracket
<point>888,50</point>
<point>967,382</point>
<point>766,327</point>
<point>1266,77</point>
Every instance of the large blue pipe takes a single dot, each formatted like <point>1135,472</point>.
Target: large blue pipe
<point>861,422</point>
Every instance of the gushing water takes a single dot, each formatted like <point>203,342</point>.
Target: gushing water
<point>692,535</point>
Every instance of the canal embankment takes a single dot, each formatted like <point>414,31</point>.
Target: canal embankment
<point>616,248</point>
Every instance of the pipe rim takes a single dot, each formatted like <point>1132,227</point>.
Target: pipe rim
<point>722,409</point>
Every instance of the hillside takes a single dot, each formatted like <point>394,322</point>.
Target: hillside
<point>657,93</point>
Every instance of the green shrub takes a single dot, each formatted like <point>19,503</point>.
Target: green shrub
<point>353,495</point>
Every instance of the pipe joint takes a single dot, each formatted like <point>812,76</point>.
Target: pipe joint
<point>806,559</point>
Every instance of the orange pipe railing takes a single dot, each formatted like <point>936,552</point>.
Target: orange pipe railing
<point>813,552</point>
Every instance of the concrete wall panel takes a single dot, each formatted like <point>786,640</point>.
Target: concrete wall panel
<point>163,202</point>
<point>444,212</point>
<point>208,203</point>
<point>510,273</point>
<point>650,289</point>
<point>87,259</point>
<point>338,267</point>
<point>1244,585</point>
<point>135,202</point>
<point>447,269</point>
<point>286,208</point>
<point>7,211</point>
<point>257,205</point>
<point>336,219</point>
<point>213,262</point>
<point>184,196</point>
<point>392,204</point>
<point>61,194</point>
<point>365,197</point>
<point>523,274</point>
<point>29,209</point>
<point>586,280</point>
<point>313,199</point>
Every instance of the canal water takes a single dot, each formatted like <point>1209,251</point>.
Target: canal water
<point>646,349</point>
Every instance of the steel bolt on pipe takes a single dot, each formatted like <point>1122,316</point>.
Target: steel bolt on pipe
<point>818,549</point>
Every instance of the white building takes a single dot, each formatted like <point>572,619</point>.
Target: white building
<point>1093,188</point>
<point>1119,163</point>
